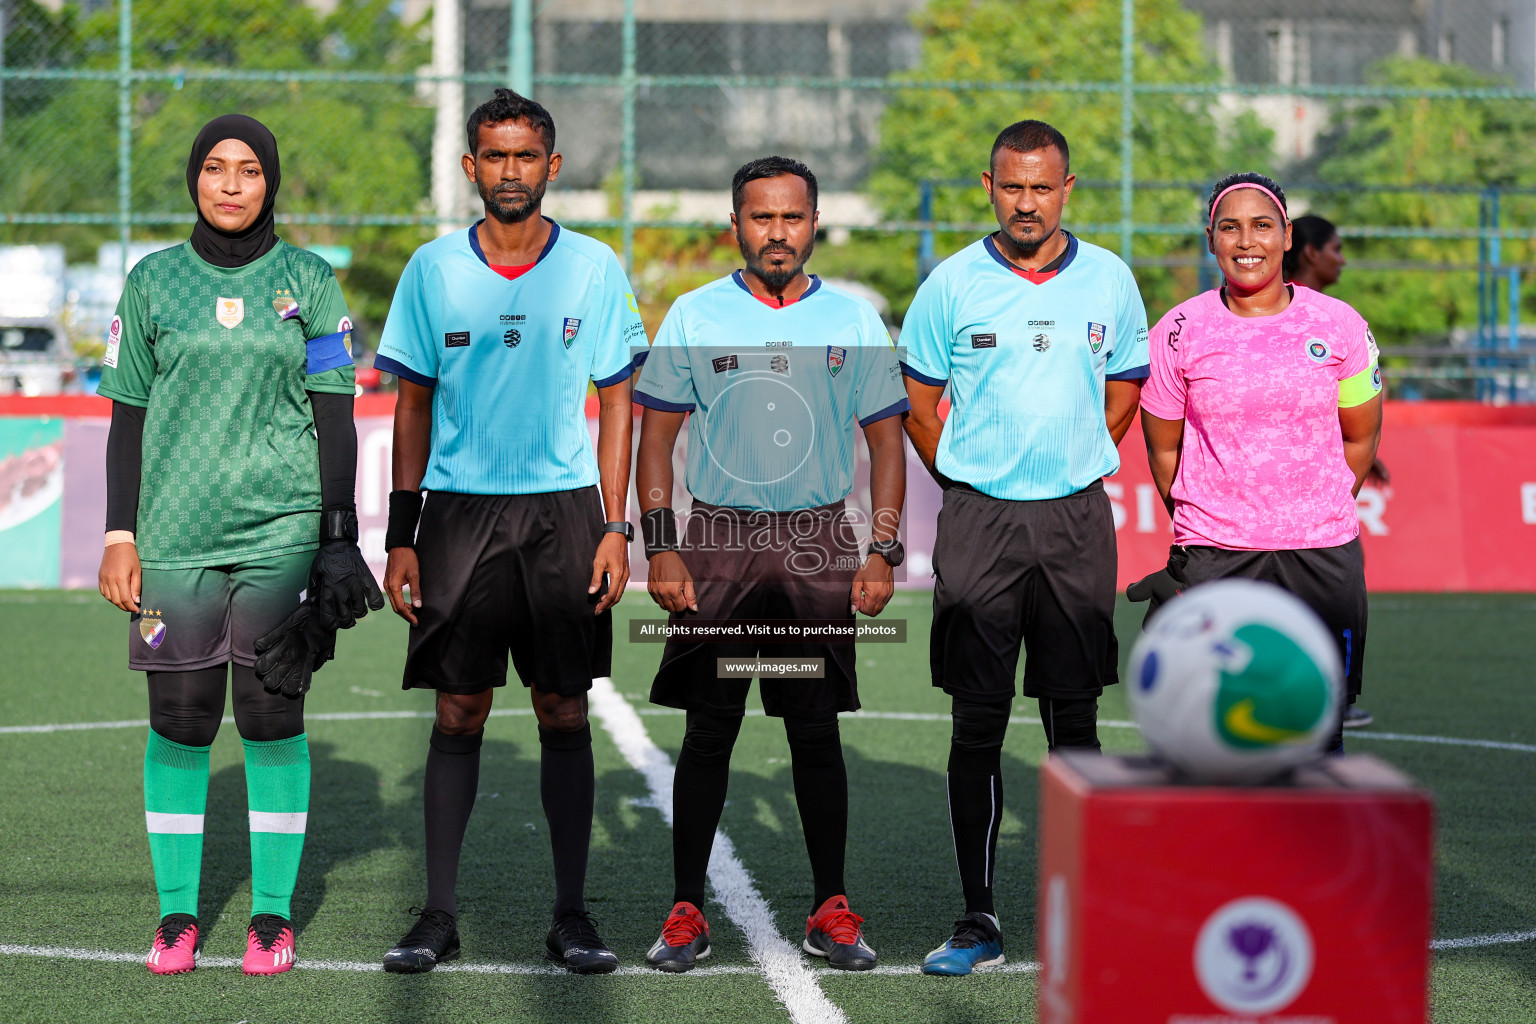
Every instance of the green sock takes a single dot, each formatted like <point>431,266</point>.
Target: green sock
<point>277,791</point>
<point>175,796</point>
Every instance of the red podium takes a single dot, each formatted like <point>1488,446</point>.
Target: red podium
<point>1165,903</point>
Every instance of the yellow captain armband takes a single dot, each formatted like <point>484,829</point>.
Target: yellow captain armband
<point>1360,388</point>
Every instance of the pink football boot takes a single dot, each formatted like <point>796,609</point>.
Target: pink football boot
<point>175,947</point>
<point>269,945</point>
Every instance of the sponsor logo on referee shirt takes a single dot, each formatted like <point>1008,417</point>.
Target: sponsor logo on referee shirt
<point>779,364</point>
<point>835,358</point>
<point>1318,350</point>
<point>229,312</point>
<point>983,341</point>
<point>1041,341</point>
<point>1095,337</point>
<point>572,325</point>
<point>724,363</point>
<point>456,339</point>
<point>512,338</point>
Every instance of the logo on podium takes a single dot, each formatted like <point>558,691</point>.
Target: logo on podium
<point>1253,955</point>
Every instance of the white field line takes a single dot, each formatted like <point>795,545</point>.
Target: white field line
<point>851,716</point>
<point>1475,941</point>
<point>368,967</point>
<point>553,970</point>
<point>781,963</point>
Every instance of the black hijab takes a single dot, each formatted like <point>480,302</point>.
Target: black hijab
<point>221,248</point>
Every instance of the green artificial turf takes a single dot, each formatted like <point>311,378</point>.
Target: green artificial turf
<point>75,872</point>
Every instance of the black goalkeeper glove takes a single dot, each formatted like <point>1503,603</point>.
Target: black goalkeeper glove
<point>341,586</point>
<point>1160,585</point>
<point>286,657</point>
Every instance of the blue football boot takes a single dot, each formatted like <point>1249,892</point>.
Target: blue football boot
<point>977,942</point>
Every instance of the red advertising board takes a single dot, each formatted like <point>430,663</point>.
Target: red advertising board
<point>1459,513</point>
<point>1305,903</point>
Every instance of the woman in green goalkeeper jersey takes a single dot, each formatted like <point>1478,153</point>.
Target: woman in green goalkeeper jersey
<point>231,531</point>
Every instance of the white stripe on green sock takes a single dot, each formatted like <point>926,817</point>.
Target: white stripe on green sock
<point>277,792</point>
<point>175,798</point>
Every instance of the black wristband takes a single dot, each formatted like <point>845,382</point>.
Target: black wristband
<point>338,524</point>
<point>404,514</point>
<point>659,526</point>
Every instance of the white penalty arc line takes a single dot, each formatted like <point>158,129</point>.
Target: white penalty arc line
<point>793,984</point>
<point>850,716</point>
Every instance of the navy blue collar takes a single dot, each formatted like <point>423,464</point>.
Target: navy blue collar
<point>474,241</point>
<point>1065,263</point>
<point>741,283</point>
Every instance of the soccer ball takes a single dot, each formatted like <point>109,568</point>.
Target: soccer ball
<point>1235,681</point>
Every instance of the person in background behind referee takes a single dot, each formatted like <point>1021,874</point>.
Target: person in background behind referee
<point>1316,260</point>
<point>522,541</point>
<point>1042,341</point>
<point>1262,417</point>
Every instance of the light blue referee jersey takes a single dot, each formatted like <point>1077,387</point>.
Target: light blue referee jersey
<point>776,392</point>
<point>1026,365</point>
<point>509,361</point>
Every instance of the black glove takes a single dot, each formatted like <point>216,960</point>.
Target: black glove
<point>286,657</point>
<point>341,585</point>
<point>1160,585</point>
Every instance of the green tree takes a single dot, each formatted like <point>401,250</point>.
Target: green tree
<point>1431,143</point>
<point>347,148</point>
<point>946,134</point>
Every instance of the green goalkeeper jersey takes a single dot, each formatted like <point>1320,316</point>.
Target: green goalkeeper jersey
<point>221,360</point>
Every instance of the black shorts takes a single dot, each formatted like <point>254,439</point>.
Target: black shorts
<point>1330,580</point>
<point>509,572</point>
<point>1040,573</point>
<point>739,572</point>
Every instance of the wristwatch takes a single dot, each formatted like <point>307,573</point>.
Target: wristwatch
<point>626,528</point>
<point>890,550</point>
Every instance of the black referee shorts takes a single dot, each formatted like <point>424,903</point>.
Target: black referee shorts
<point>509,572</point>
<point>1331,581</point>
<point>1036,573</point>
<point>742,570</point>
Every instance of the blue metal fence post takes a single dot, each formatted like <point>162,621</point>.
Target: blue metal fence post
<point>124,131</point>
<point>520,47</point>
<point>925,238</point>
<point>1127,126</point>
<point>627,198</point>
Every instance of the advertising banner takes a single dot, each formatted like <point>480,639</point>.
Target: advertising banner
<point>1458,514</point>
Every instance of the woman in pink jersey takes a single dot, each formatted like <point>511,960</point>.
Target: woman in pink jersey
<point>1262,416</point>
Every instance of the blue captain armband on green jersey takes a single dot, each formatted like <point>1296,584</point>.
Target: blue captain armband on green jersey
<point>327,352</point>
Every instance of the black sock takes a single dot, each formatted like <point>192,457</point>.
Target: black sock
<point>567,787</point>
<point>821,790</point>
<point>698,796</point>
<point>975,783</point>
<point>448,795</point>
<point>1070,722</point>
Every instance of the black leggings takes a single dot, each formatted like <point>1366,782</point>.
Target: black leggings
<point>187,707</point>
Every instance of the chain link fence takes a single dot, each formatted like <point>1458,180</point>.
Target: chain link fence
<point>1405,122</point>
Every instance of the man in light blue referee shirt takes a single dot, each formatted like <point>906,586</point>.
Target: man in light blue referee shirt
<point>522,543</point>
<point>778,370</point>
<point>1041,340</point>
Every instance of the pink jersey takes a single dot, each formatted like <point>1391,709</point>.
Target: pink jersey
<point>1262,466</point>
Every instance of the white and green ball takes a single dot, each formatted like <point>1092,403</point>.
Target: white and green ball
<point>1235,681</point>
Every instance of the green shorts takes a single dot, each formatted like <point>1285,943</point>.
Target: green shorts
<point>192,619</point>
